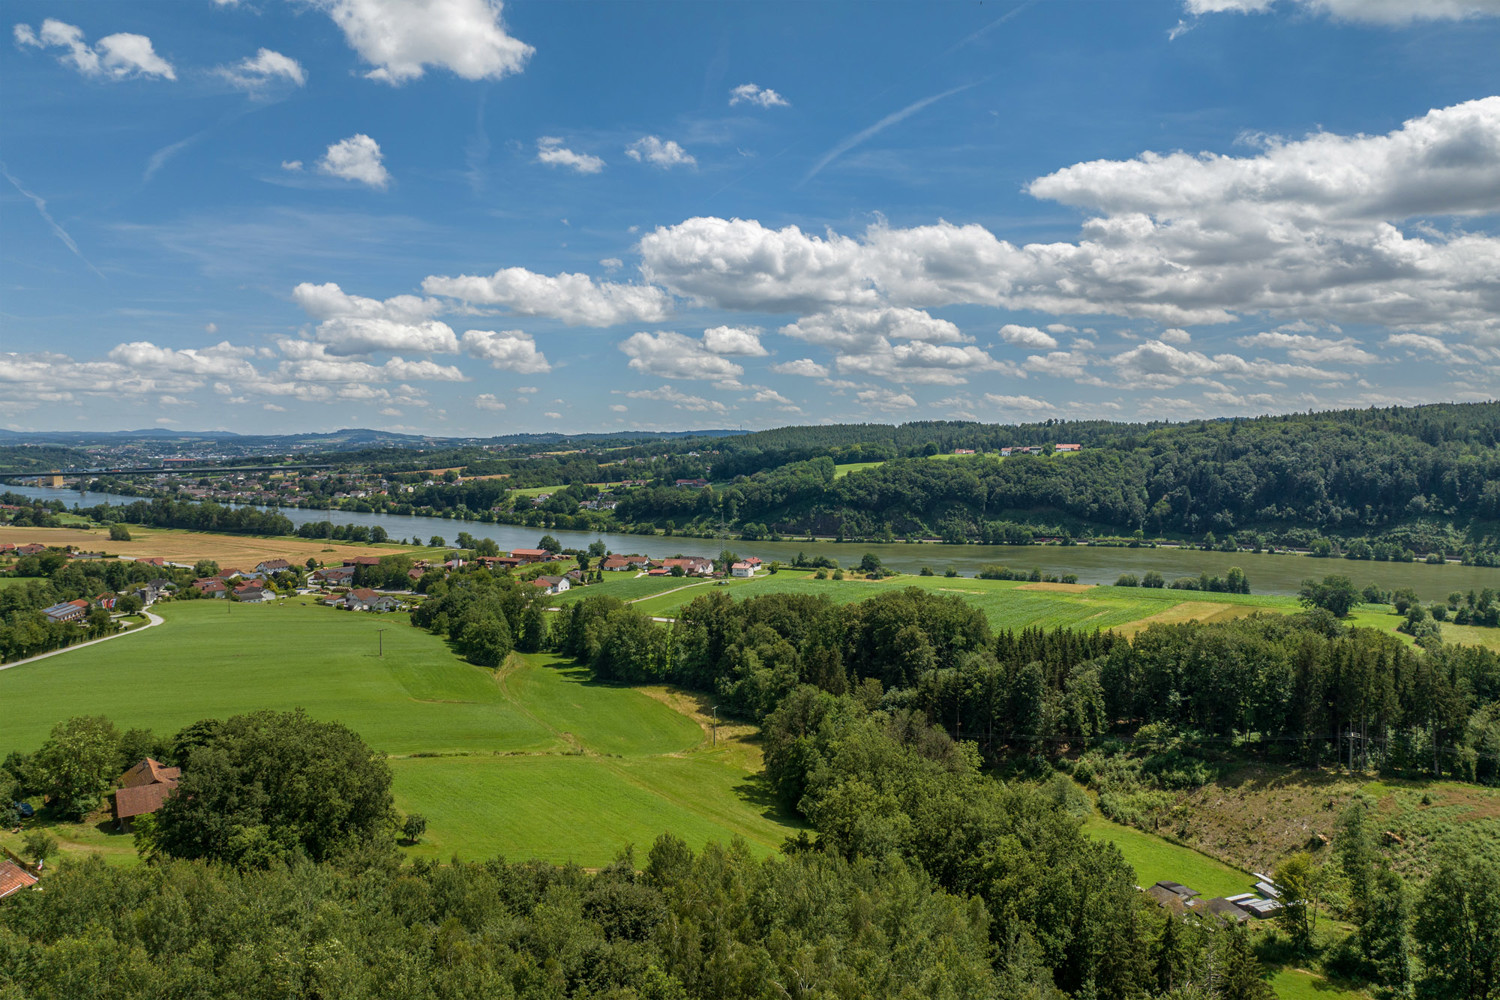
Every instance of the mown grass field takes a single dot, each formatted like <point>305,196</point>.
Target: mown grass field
<point>534,760</point>
<point>1154,859</point>
<point>1007,603</point>
<point>188,547</point>
<point>627,586</point>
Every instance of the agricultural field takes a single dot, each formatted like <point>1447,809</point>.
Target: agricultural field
<point>1007,603</point>
<point>187,547</point>
<point>534,760</point>
<point>628,587</point>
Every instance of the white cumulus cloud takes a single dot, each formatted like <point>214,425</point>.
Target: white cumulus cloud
<point>487,401</point>
<point>575,299</point>
<point>259,72</point>
<point>671,355</point>
<point>551,151</point>
<point>805,367</point>
<point>353,324</point>
<point>401,38</point>
<point>356,158</point>
<point>665,154</point>
<point>1027,336</point>
<point>749,93</point>
<point>115,57</point>
<point>508,350</point>
<point>738,341</point>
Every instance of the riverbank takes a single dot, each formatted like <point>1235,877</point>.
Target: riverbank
<point>1268,573</point>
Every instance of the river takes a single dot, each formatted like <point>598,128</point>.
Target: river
<point>1267,573</point>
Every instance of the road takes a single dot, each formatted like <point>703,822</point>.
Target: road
<point>151,622</point>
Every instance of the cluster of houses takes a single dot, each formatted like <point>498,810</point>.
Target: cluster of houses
<point>690,565</point>
<point>1037,449</point>
<point>1179,899</point>
<point>244,585</point>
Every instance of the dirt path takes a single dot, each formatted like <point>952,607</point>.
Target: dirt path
<point>152,622</point>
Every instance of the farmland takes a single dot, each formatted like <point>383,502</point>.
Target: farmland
<point>1007,603</point>
<point>188,547</point>
<point>532,761</point>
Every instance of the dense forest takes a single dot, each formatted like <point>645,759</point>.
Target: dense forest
<point>1426,480</point>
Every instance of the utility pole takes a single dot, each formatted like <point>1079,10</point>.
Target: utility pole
<point>716,725</point>
<point>380,642</point>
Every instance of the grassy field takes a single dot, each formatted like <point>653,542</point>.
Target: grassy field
<point>1154,859</point>
<point>188,547</point>
<point>1007,603</point>
<point>628,587</point>
<point>531,761</point>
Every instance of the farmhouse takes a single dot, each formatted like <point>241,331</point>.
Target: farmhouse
<point>696,484</point>
<point>365,599</point>
<point>273,566</point>
<point>252,593</point>
<point>351,562</point>
<point>742,569</point>
<point>1067,447</point>
<point>552,584</point>
<point>210,586</point>
<point>14,878</point>
<point>691,565</point>
<point>335,576</point>
<point>30,549</point>
<point>963,451</point>
<point>143,790</point>
<point>530,555</point>
<point>68,611</point>
<point>617,563</point>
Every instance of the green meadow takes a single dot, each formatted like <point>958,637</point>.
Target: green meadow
<point>534,760</point>
<point>1154,859</point>
<point>1007,603</point>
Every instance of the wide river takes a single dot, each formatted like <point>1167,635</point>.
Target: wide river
<point>1267,573</point>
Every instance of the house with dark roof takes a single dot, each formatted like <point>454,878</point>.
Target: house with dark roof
<point>272,566</point>
<point>143,789</point>
<point>617,564</point>
<point>552,584</point>
<point>68,611</point>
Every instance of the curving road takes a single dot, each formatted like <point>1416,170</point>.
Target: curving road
<point>151,622</point>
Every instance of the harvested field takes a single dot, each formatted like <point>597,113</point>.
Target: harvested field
<point>179,546</point>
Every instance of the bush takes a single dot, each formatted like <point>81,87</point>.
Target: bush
<point>1127,580</point>
<point>119,533</point>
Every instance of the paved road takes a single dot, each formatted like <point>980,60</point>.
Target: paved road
<point>152,622</point>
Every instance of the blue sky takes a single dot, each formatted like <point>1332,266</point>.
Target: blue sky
<point>450,217</point>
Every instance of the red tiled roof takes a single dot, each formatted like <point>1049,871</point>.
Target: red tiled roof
<point>148,771</point>
<point>14,878</point>
<point>142,799</point>
<point>364,594</point>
